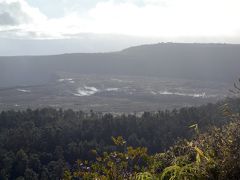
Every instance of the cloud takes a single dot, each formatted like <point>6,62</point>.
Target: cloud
<point>7,19</point>
<point>16,16</point>
<point>168,19</point>
<point>172,18</point>
<point>17,12</point>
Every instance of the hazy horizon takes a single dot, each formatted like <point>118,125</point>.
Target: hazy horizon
<point>16,47</point>
<point>30,27</point>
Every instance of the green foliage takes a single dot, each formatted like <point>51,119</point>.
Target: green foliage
<point>119,141</point>
<point>195,127</point>
<point>145,176</point>
<point>45,144</point>
<point>212,155</point>
<point>115,165</point>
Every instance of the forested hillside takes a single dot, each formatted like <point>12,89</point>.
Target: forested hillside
<point>212,155</point>
<point>45,143</point>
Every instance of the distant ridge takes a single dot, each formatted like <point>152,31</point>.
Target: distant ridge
<point>216,62</point>
<point>171,44</point>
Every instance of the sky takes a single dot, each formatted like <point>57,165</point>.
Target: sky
<point>147,20</point>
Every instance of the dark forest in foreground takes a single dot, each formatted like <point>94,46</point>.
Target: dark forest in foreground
<point>43,143</point>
